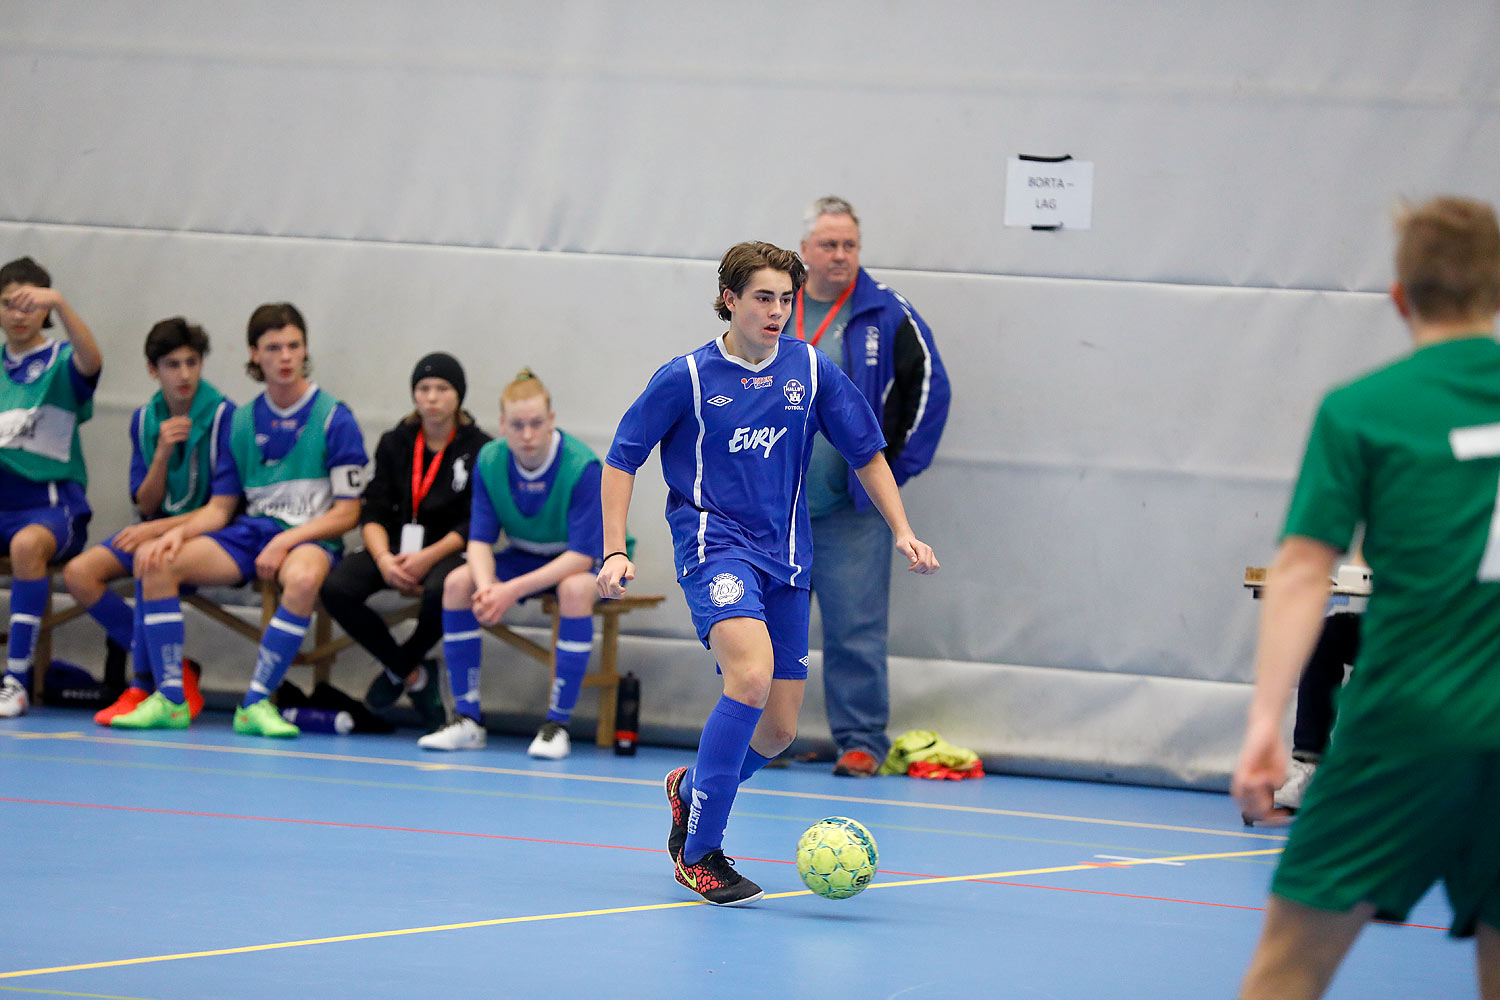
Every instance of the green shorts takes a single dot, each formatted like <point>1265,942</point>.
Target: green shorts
<point>1382,831</point>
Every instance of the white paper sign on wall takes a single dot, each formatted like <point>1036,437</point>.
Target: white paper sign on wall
<point>1049,192</point>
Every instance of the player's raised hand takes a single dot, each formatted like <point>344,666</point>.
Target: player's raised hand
<point>172,431</point>
<point>614,575</point>
<point>29,297</point>
<point>919,554</point>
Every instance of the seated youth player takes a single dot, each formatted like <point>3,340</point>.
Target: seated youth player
<point>179,449</point>
<point>736,420</point>
<point>47,391</point>
<point>299,461</point>
<point>541,486</point>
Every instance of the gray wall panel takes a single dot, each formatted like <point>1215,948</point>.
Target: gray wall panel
<point>549,185</point>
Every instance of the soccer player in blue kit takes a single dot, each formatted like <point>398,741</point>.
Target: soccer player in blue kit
<point>297,458</point>
<point>735,420</point>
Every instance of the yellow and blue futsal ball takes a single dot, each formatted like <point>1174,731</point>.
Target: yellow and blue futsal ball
<point>837,858</point>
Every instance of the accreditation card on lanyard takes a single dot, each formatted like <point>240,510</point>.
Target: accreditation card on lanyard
<point>413,535</point>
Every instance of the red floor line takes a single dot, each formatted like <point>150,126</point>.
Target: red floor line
<point>613,847</point>
<point>328,823</point>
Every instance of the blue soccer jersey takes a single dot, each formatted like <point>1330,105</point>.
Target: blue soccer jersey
<point>736,440</point>
<point>530,491</point>
<point>277,430</point>
<point>16,491</point>
<point>226,478</point>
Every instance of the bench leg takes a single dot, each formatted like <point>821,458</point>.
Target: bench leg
<point>609,681</point>
<point>41,648</point>
<point>322,632</point>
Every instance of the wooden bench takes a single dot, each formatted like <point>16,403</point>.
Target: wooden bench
<point>606,678</point>
<point>326,648</point>
<point>1347,581</point>
<point>41,656</point>
<point>320,658</point>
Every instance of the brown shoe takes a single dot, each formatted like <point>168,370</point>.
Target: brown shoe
<point>856,764</point>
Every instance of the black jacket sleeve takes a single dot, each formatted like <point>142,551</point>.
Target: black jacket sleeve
<point>902,402</point>
<point>379,505</point>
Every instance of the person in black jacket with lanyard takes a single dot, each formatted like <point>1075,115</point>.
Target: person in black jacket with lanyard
<point>415,523</point>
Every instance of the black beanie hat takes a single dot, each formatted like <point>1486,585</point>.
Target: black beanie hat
<point>443,366</point>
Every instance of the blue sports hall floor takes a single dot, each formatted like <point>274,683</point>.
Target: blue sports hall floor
<point>203,864</point>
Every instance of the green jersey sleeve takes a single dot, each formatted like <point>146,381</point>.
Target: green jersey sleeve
<point>1327,503</point>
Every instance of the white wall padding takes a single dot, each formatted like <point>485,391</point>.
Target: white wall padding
<point>551,185</point>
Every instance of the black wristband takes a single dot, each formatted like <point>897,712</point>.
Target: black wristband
<point>612,555</point>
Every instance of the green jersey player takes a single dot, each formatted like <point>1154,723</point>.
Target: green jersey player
<point>1409,791</point>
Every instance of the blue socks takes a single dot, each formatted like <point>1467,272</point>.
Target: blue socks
<point>461,651</point>
<point>115,615</point>
<point>28,601</point>
<point>716,776</point>
<point>163,635</point>
<point>278,647</point>
<point>575,641</point>
<point>140,657</point>
<point>753,762</point>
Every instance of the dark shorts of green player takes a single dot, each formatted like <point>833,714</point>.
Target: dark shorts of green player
<point>1379,830</point>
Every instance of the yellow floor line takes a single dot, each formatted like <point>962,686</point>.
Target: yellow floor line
<point>536,918</point>
<point>652,782</point>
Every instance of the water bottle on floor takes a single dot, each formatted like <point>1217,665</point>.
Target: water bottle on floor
<point>319,720</point>
<point>627,715</point>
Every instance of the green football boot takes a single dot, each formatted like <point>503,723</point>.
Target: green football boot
<point>262,719</point>
<point>156,712</point>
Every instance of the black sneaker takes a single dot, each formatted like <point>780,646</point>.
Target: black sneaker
<point>429,700</point>
<point>677,836</point>
<point>713,877</point>
<point>384,691</point>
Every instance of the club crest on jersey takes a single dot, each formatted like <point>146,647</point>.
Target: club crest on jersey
<point>725,589</point>
<point>793,391</point>
<point>761,382</point>
<point>872,346</point>
<point>720,401</point>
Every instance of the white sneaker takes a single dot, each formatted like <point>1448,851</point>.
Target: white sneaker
<point>463,733</point>
<point>1299,774</point>
<point>551,742</point>
<point>13,700</point>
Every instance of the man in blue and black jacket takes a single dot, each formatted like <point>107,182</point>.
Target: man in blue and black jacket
<point>886,349</point>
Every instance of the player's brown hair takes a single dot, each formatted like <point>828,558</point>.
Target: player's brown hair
<point>1448,259</point>
<point>525,386</point>
<point>741,261</point>
<point>274,316</point>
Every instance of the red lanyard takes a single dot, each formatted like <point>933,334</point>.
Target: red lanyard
<point>422,484</point>
<point>832,312</point>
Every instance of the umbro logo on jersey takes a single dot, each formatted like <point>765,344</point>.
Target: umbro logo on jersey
<point>720,401</point>
<point>763,382</point>
<point>762,437</point>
